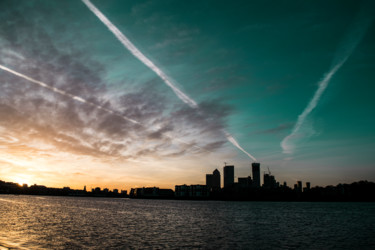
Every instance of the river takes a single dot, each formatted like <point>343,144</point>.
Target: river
<point>46,222</point>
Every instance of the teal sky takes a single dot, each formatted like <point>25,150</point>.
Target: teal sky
<point>252,67</point>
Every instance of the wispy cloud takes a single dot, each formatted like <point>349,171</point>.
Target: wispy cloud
<point>138,54</point>
<point>276,130</point>
<point>53,114</point>
<point>156,133</point>
<point>350,42</point>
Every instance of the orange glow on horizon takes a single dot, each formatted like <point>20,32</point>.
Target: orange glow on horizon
<point>22,179</point>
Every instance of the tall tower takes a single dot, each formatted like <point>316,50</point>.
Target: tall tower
<point>228,176</point>
<point>299,186</point>
<point>216,184</point>
<point>209,181</point>
<point>256,174</point>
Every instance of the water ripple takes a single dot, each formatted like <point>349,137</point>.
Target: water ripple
<point>28,222</point>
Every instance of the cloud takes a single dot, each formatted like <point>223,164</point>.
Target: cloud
<point>160,132</point>
<point>47,122</point>
<point>147,62</point>
<point>276,130</point>
<point>214,145</point>
<point>209,120</point>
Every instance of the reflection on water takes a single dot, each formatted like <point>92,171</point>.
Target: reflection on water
<point>28,222</point>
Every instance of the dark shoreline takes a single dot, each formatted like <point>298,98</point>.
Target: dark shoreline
<point>362,191</point>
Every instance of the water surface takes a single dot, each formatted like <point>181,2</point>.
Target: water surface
<point>36,222</point>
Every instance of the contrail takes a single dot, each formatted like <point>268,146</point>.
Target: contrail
<point>235,143</point>
<point>80,99</point>
<point>287,147</point>
<point>350,42</point>
<point>138,54</point>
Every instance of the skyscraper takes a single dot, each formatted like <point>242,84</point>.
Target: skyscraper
<point>299,186</point>
<point>209,181</point>
<point>228,176</point>
<point>256,174</point>
<point>216,185</point>
<point>213,181</point>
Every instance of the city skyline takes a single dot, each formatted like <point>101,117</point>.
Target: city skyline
<point>213,181</point>
<point>128,94</point>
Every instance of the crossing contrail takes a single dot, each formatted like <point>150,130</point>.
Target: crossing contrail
<point>138,54</point>
<point>350,42</point>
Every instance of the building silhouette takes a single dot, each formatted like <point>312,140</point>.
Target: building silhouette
<point>299,186</point>
<point>256,174</point>
<point>198,191</point>
<point>245,182</point>
<point>182,191</point>
<point>307,188</point>
<point>151,192</point>
<point>216,180</point>
<point>228,176</point>
<point>191,191</point>
<point>213,182</point>
<point>269,180</point>
<point>209,181</point>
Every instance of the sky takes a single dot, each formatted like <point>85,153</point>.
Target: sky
<point>123,94</point>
